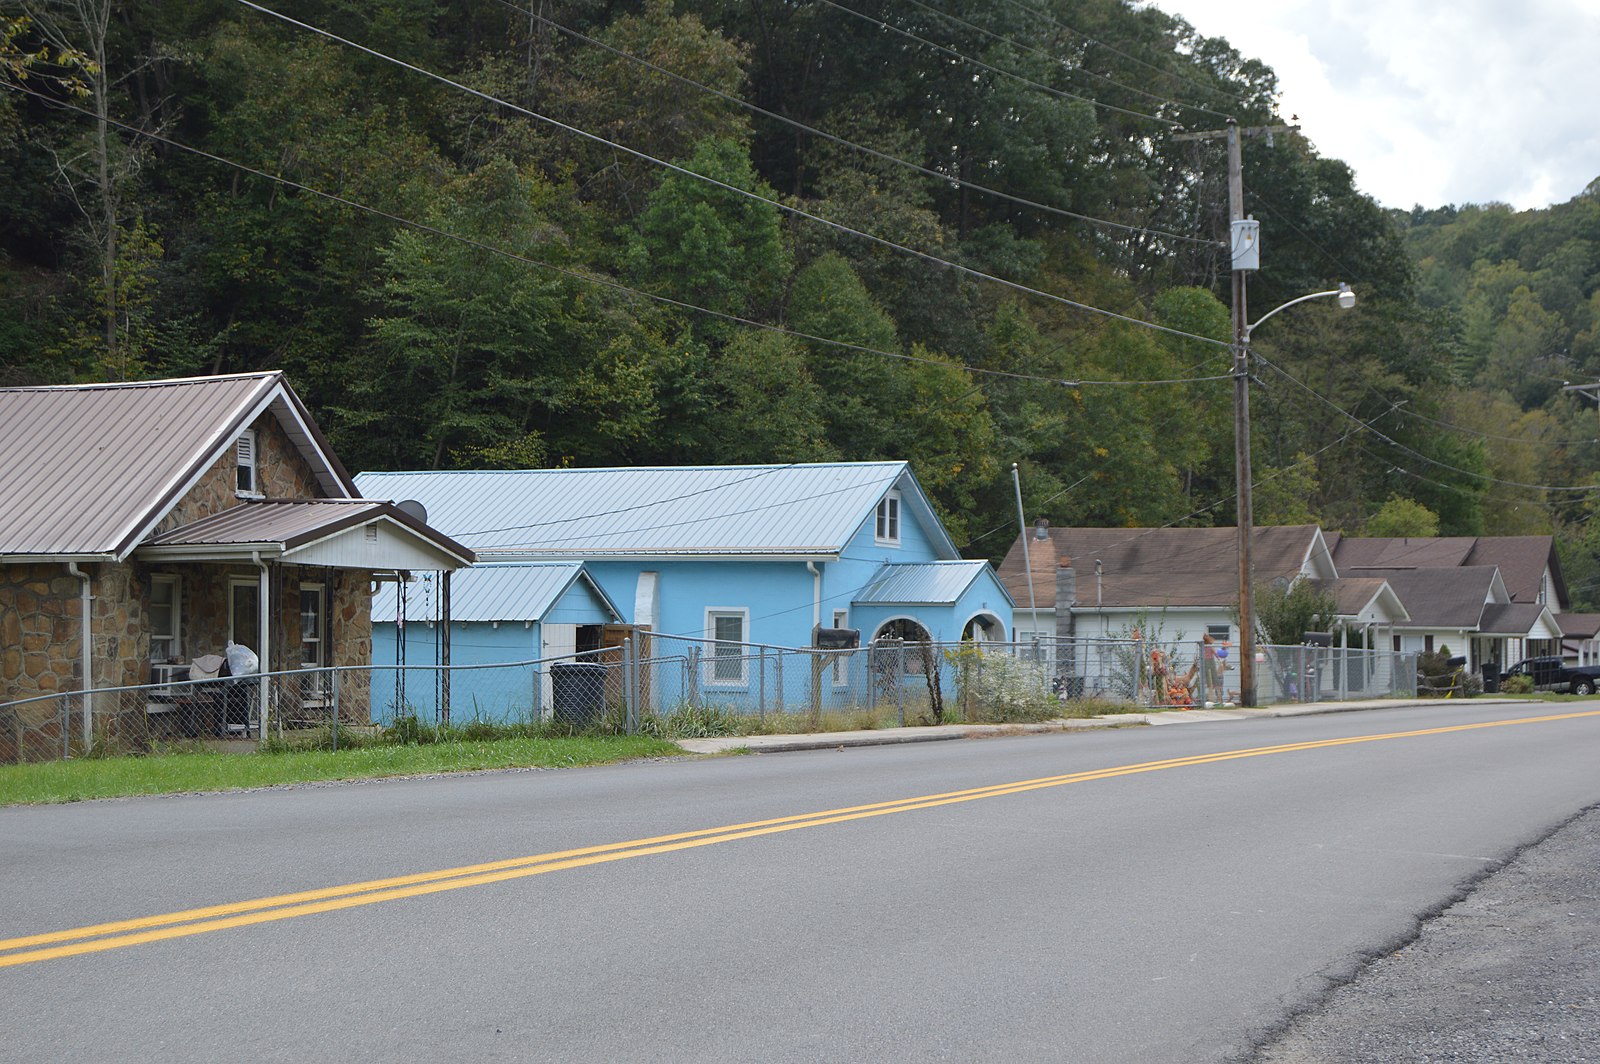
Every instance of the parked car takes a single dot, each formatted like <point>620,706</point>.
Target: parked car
<point>1553,674</point>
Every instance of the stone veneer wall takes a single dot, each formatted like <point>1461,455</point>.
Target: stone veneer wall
<point>39,630</point>
<point>282,473</point>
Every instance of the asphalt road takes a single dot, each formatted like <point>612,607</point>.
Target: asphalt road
<point>1155,894</point>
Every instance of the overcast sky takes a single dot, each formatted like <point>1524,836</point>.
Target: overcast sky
<point>1433,101</point>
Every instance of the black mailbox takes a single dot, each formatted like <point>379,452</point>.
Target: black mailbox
<point>835,638</point>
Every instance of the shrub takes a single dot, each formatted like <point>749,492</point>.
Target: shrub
<point>1517,685</point>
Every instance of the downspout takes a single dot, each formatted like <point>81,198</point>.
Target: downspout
<point>816,595</point>
<point>86,650</point>
<point>264,611</point>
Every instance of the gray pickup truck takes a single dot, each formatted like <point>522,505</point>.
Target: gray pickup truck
<point>1553,674</point>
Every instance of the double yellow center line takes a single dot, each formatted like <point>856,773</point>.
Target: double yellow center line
<point>97,938</point>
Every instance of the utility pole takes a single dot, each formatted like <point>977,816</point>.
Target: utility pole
<point>1246,257</point>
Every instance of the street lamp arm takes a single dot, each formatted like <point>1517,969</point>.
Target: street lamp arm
<point>1347,299</point>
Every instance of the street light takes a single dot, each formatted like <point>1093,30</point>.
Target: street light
<point>1246,512</point>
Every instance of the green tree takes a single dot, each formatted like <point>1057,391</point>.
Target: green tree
<point>708,245</point>
<point>1285,613</point>
<point>1402,517</point>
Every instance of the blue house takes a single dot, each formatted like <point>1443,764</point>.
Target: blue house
<point>726,559</point>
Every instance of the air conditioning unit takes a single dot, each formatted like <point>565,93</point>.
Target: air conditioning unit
<point>169,675</point>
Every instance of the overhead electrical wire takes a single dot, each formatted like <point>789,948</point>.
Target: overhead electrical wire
<point>776,204</point>
<point>943,178</point>
<point>1046,16</point>
<point>980,64</point>
<point>1035,50</point>
<point>1391,441</point>
<point>596,279</point>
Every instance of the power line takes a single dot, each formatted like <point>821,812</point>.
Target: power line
<point>980,64</point>
<point>597,279</point>
<point>1410,450</point>
<point>864,149</point>
<point>1034,50</point>
<point>1046,16</point>
<point>776,204</point>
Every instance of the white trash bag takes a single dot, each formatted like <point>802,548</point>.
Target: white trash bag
<point>242,661</point>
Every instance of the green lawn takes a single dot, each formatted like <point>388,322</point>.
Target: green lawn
<point>116,777</point>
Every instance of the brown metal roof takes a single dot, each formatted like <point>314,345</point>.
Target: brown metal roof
<point>89,469</point>
<point>1153,566</point>
<point>293,523</point>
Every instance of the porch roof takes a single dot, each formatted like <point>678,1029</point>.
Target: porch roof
<point>344,533</point>
<point>1368,597</point>
<point>922,583</point>
<point>1519,620</point>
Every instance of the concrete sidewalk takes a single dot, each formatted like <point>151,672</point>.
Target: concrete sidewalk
<point>768,744</point>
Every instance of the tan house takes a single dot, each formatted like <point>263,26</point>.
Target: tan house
<point>148,524</point>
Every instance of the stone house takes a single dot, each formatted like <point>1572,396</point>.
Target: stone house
<point>149,523</point>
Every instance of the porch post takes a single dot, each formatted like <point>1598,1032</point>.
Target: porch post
<point>264,620</point>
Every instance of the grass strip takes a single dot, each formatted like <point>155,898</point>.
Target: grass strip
<point>119,777</point>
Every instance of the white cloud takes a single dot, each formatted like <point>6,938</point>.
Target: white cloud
<point>1432,103</point>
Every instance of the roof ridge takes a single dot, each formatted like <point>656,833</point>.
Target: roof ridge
<point>630,469</point>
<point>160,383</point>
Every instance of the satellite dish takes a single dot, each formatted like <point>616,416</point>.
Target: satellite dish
<point>414,510</point>
<point>1279,583</point>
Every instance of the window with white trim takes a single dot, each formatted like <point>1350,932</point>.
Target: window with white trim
<point>313,637</point>
<point>164,620</point>
<point>841,658</point>
<point>248,480</point>
<point>887,528</point>
<point>727,631</point>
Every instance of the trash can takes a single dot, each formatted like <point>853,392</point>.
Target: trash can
<point>578,692</point>
<point>239,698</point>
<point>1491,679</point>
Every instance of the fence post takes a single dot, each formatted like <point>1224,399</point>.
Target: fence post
<point>333,686</point>
<point>627,681</point>
<point>761,682</point>
<point>900,681</point>
<point>694,675</point>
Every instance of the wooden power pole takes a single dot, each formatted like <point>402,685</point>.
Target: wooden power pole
<point>1246,257</point>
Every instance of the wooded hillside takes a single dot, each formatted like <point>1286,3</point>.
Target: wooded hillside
<point>485,233</point>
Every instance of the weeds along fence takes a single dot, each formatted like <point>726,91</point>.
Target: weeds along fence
<point>619,688</point>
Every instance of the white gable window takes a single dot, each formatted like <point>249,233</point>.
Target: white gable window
<point>249,480</point>
<point>726,630</point>
<point>888,523</point>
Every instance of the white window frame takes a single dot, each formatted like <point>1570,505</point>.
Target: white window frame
<point>174,638</point>
<point>714,614</point>
<point>314,688</point>
<point>247,456</point>
<point>841,658</point>
<point>886,520</point>
<point>234,584</point>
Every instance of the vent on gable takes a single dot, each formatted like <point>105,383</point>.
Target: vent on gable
<point>245,454</point>
<point>372,533</point>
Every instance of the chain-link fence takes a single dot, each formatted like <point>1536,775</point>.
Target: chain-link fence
<point>888,682</point>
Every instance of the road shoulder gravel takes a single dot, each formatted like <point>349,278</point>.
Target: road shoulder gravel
<point>1511,972</point>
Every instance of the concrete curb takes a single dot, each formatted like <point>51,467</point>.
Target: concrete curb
<point>773,744</point>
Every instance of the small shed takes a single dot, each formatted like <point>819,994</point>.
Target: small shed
<point>508,623</point>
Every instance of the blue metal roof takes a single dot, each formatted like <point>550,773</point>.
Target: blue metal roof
<point>920,583</point>
<point>805,510</point>
<point>521,592</point>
